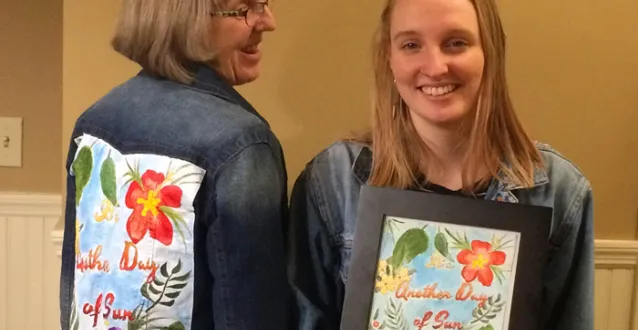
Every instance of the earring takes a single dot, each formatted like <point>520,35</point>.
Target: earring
<point>394,107</point>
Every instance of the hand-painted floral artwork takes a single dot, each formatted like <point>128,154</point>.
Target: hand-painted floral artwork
<point>443,276</point>
<point>134,239</point>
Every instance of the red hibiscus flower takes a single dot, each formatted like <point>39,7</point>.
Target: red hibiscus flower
<point>478,262</point>
<point>146,201</point>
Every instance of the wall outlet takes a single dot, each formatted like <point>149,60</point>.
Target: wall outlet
<point>11,141</point>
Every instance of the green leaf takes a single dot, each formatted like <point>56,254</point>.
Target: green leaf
<point>177,220</point>
<point>441,245</point>
<point>172,213</point>
<point>172,295</point>
<point>177,181</point>
<point>137,311</point>
<point>376,314</point>
<point>178,286</point>
<point>459,242</point>
<point>181,278</point>
<point>82,167</point>
<point>154,290</point>
<point>502,245</point>
<point>157,281</point>
<point>167,303</point>
<point>107,180</point>
<point>175,326</point>
<point>134,174</point>
<point>144,291</point>
<point>395,317</point>
<point>163,270</point>
<point>177,268</point>
<point>499,274</point>
<point>412,243</point>
<point>487,327</point>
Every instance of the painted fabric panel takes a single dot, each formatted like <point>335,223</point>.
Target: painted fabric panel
<point>134,239</point>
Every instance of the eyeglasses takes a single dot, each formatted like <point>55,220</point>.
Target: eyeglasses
<point>252,14</point>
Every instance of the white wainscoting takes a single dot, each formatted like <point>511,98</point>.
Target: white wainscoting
<point>616,285</point>
<point>30,266</point>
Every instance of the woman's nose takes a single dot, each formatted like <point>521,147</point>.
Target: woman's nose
<point>434,63</point>
<point>267,21</point>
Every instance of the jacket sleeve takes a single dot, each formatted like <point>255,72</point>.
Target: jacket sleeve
<point>570,295</point>
<point>313,261</point>
<point>245,242</point>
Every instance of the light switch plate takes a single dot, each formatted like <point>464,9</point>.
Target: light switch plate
<point>11,141</point>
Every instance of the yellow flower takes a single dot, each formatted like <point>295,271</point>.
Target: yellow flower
<point>403,275</point>
<point>389,280</point>
<point>385,284</point>
<point>383,265</point>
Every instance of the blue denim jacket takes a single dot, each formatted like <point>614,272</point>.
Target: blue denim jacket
<point>175,211</point>
<point>324,211</point>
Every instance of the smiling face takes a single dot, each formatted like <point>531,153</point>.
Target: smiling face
<point>437,59</point>
<point>238,45</point>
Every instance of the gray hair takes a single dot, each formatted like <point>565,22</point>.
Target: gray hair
<point>164,35</point>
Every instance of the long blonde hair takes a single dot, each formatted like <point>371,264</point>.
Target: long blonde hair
<point>495,139</point>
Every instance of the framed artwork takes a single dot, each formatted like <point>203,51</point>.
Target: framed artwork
<point>430,261</point>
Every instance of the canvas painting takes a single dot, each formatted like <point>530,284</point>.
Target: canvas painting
<point>437,275</point>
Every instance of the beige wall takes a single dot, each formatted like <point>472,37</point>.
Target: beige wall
<point>574,84</point>
<point>90,67</point>
<point>576,87</point>
<point>31,87</point>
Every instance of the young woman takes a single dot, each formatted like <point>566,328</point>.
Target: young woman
<point>442,121</point>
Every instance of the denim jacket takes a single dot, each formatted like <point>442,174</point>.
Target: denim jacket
<point>324,210</point>
<point>176,200</point>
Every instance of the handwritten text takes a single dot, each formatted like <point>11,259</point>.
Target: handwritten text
<point>129,263</point>
<point>93,262</point>
<point>440,321</point>
<point>464,293</point>
<point>429,292</point>
<point>104,303</point>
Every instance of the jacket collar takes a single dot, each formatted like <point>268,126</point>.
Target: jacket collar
<point>500,189</point>
<point>209,81</point>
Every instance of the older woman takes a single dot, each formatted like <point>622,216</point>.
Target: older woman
<point>443,122</point>
<point>176,184</point>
